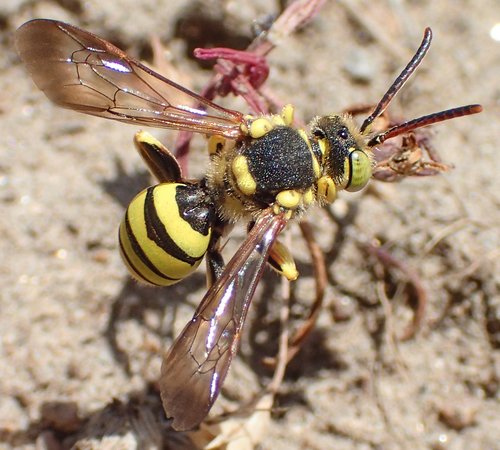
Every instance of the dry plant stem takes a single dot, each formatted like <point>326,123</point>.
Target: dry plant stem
<point>389,261</point>
<point>320,278</point>
<point>282,357</point>
<point>405,156</point>
<point>450,229</point>
<point>295,16</point>
<point>408,160</point>
<point>238,76</point>
<point>281,360</point>
<point>390,335</point>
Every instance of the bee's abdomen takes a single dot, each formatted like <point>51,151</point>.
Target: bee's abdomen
<point>165,232</point>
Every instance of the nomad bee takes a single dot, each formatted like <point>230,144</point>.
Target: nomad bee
<point>261,169</point>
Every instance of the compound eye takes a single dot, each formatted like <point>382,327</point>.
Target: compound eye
<point>360,170</point>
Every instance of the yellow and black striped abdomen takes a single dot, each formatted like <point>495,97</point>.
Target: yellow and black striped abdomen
<point>166,232</point>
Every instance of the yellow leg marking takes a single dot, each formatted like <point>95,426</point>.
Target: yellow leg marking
<point>281,256</point>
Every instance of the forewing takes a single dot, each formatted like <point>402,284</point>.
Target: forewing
<point>197,363</point>
<point>80,71</point>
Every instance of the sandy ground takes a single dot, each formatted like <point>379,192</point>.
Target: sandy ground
<point>77,334</point>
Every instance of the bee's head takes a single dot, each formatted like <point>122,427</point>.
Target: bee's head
<point>347,158</point>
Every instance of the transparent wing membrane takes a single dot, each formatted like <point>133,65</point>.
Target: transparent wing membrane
<point>80,71</point>
<point>196,365</point>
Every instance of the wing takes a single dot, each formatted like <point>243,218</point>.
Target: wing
<point>197,363</point>
<point>80,71</point>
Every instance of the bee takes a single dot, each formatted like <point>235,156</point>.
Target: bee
<point>262,170</point>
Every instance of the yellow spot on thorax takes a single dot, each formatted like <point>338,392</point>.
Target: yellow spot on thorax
<point>244,179</point>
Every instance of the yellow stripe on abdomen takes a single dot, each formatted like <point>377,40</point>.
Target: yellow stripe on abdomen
<point>159,244</point>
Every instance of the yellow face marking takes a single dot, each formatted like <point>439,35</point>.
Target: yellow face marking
<point>260,127</point>
<point>244,179</point>
<point>327,192</point>
<point>323,146</point>
<point>289,199</point>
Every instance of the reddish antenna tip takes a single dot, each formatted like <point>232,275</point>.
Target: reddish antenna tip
<point>474,109</point>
